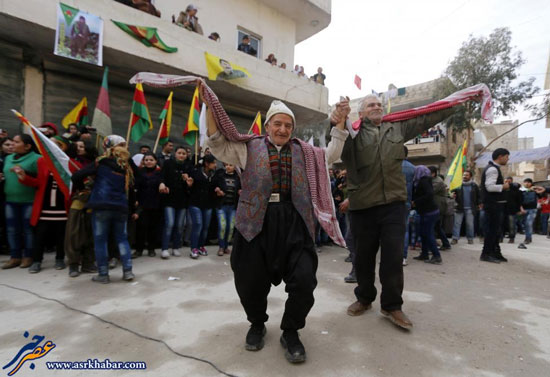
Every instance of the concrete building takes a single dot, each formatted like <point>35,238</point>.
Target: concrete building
<point>45,86</point>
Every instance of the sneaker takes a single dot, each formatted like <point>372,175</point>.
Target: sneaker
<point>434,260</point>
<point>471,242</point>
<point>128,275</point>
<point>103,279</point>
<point>194,254</point>
<point>165,254</point>
<point>454,242</point>
<point>176,252</point>
<point>113,263</point>
<point>351,278</point>
<point>60,264</point>
<point>255,338</point>
<point>73,270</point>
<point>294,349</point>
<point>422,257</point>
<point>151,253</point>
<point>221,252</point>
<point>137,254</point>
<point>488,258</point>
<point>203,252</point>
<point>35,268</point>
<point>405,261</point>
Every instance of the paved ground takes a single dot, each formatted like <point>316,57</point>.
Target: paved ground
<point>471,319</point>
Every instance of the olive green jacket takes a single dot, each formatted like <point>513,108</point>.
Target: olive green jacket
<point>440,194</point>
<point>373,159</point>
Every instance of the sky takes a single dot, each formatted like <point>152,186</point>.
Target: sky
<point>410,42</point>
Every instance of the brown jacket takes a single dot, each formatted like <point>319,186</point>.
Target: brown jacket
<point>193,23</point>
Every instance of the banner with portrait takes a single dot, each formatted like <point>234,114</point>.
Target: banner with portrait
<point>79,35</point>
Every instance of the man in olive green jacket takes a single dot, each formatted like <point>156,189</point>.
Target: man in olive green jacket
<point>377,195</point>
<point>440,197</point>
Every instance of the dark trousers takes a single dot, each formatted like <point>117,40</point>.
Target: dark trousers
<point>427,234</point>
<point>49,230</point>
<point>440,232</point>
<point>381,226</point>
<point>283,251</point>
<point>148,229</point>
<point>493,217</point>
<point>79,244</point>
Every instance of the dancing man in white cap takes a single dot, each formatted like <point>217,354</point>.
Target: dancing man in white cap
<point>283,187</point>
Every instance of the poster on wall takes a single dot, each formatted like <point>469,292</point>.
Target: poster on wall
<point>79,35</point>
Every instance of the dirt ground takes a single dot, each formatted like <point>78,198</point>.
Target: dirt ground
<point>470,319</point>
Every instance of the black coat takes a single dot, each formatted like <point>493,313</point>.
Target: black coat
<point>202,191</point>
<point>147,187</point>
<point>171,176</point>
<point>423,196</point>
<point>474,197</point>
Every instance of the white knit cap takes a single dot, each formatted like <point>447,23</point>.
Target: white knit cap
<point>112,141</point>
<point>278,107</point>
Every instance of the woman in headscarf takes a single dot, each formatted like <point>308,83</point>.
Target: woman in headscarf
<point>111,200</point>
<point>423,199</point>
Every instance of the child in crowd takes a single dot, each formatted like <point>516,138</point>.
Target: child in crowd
<point>227,206</point>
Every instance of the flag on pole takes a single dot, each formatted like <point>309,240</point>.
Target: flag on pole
<point>166,121</point>
<point>192,127</point>
<point>140,121</point>
<point>256,128</point>
<point>461,164</point>
<point>357,82</point>
<point>202,125</point>
<point>102,112</point>
<point>56,160</point>
<point>69,13</point>
<point>78,115</point>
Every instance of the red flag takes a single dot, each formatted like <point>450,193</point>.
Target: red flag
<point>357,82</point>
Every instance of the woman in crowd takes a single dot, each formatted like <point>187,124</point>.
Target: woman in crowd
<point>174,187</point>
<point>227,206</point>
<point>6,147</point>
<point>147,186</point>
<point>19,199</point>
<point>85,153</point>
<point>206,188</point>
<point>423,199</point>
<point>110,199</point>
<point>49,211</point>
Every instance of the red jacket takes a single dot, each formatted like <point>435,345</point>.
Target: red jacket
<point>40,182</point>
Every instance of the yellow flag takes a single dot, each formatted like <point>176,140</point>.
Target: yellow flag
<point>78,115</point>
<point>221,69</point>
<point>456,181</point>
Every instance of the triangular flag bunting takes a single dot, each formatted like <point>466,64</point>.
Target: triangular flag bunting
<point>146,35</point>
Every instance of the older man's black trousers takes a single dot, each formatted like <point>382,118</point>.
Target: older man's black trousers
<point>282,251</point>
<point>381,227</point>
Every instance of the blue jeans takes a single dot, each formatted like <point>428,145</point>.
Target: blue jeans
<point>174,221</point>
<point>106,221</point>
<point>459,217</point>
<point>199,230</point>
<point>18,226</point>
<point>226,223</point>
<point>544,223</point>
<point>427,234</point>
<point>529,221</point>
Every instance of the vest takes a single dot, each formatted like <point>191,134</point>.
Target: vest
<point>491,198</point>
<point>256,181</point>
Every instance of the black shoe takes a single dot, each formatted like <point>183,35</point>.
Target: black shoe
<point>151,253</point>
<point>501,258</point>
<point>488,258</point>
<point>422,257</point>
<point>60,264</point>
<point>527,241</point>
<point>348,259</point>
<point>255,338</point>
<point>91,269</point>
<point>103,279</point>
<point>522,246</point>
<point>128,275</point>
<point>295,351</point>
<point>73,270</point>
<point>434,260</point>
<point>351,278</point>
<point>137,254</point>
<point>444,248</point>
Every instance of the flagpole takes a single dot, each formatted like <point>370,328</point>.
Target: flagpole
<point>196,149</point>
<point>128,134</point>
<point>158,139</point>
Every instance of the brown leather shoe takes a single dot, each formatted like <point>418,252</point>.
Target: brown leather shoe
<point>398,318</point>
<point>357,308</point>
<point>13,262</point>
<point>26,262</point>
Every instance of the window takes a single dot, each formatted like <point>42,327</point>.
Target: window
<point>255,40</point>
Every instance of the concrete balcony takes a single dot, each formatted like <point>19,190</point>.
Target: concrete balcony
<point>431,148</point>
<point>32,24</point>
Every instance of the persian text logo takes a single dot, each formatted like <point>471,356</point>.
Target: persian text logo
<point>35,352</point>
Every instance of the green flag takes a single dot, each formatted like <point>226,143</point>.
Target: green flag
<point>68,12</point>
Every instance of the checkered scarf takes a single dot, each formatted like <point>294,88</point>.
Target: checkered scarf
<point>316,167</point>
<point>281,167</point>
